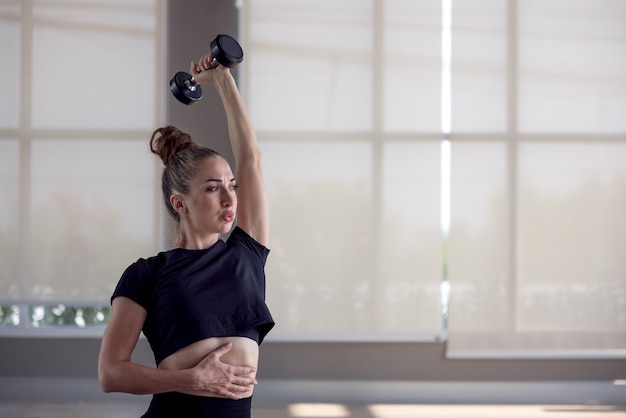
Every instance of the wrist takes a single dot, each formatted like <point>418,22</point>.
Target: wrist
<point>191,380</point>
<point>223,81</point>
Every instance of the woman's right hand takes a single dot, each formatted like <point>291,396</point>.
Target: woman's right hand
<point>223,379</point>
<point>204,74</point>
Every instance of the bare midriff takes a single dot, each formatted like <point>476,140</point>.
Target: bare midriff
<point>244,352</point>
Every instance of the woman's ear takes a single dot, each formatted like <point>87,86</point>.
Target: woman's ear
<point>177,203</point>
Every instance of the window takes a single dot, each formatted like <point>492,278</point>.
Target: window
<point>75,169</point>
<point>349,99</point>
<point>537,232</point>
<point>414,191</point>
<point>346,100</point>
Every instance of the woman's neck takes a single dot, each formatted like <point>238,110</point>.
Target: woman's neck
<point>190,242</point>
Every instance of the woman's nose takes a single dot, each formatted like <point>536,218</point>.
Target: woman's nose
<point>228,198</point>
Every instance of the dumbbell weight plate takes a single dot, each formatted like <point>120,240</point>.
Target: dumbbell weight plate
<point>226,51</point>
<point>185,89</point>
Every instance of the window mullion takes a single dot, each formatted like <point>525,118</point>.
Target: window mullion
<point>512,155</point>
<point>378,39</point>
<point>25,141</point>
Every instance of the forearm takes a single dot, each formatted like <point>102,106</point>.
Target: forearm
<point>128,377</point>
<point>240,129</point>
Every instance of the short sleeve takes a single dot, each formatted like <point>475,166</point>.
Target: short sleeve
<point>240,237</point>
<point>134,284</point>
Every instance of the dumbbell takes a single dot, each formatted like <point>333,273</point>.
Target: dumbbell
<point>225,50</point>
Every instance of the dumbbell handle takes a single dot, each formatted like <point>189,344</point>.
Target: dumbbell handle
<point>192,83</point>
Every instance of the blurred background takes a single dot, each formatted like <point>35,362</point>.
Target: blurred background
<point>447,182</point>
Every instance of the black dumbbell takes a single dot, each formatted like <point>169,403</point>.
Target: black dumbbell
<point>225,51</point>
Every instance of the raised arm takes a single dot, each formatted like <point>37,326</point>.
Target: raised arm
<point>252,207</point>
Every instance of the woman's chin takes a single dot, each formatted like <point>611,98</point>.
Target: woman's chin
<point>227,228</point>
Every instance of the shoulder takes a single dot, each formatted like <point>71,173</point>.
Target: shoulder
<point>135,282</point>
<point>239,237</point>
<point>143,266</point>
<point>136,270</point>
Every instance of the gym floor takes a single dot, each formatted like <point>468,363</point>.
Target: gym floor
<point>133,409</point>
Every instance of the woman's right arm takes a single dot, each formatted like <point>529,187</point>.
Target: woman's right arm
<point>116,372</point>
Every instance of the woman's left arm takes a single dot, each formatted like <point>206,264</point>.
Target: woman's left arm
<point>252,206</point>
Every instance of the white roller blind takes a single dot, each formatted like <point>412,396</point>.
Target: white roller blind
<point>572,67</point>
<point>346,97</point>
<point>9,185</point>
<point>76,174</point>
<point>10,46</point>
<point>537,238</point>
<point>88,216</point>
<point>86,61</point>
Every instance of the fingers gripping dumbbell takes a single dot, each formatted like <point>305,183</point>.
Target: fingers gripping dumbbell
<point>225,51</point>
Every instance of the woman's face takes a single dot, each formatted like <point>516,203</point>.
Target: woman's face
<point>211,203</point>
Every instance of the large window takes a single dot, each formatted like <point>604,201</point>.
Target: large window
<point>78,181</point>
<point>346,99</point>
<point>537,238</point>
<point>434,167</point>
<point>395,166</point>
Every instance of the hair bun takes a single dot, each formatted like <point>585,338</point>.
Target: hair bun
<point>166,142</point>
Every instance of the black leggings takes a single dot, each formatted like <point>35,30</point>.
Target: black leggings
<point>176,405</point>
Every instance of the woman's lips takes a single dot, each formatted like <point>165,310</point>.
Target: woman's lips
<point>228,216</point>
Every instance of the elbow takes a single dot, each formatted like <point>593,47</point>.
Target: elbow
<point>106,389</point>
<point>105,383</point>
<point>251,156</point>
<point>106,379</point>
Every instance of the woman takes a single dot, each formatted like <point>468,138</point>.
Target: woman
<point>201,304</point>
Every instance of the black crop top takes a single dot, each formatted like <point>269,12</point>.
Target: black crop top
<point>190,295</point>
